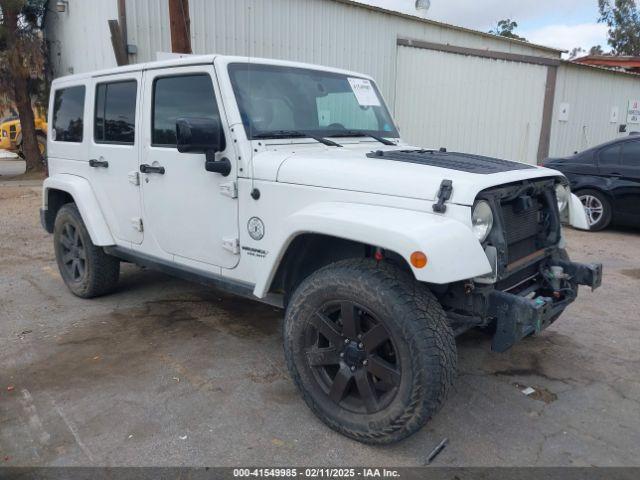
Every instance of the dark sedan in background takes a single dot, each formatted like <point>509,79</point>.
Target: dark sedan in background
<point>606,178</point>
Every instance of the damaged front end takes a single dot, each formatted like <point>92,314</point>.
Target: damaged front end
<point>532,279</point>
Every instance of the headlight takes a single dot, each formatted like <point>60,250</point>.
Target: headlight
<point>482,220</point>
<point>562,195</point>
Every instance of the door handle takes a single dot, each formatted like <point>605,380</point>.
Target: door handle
<point>144,168</point>
<point>98,163</point>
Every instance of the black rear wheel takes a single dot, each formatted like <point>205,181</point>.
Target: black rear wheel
<point>85,268</point>
<point>370,349</point>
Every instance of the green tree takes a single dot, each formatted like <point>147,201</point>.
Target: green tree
<point>506,28</point>
<point>623,19</point>
<point>22,62</point>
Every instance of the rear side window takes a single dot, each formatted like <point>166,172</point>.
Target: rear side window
<point>68,114</point>
<point>181,96</point>
<point>115,114</point>
<point>631,154</point>
<point>610,156</point>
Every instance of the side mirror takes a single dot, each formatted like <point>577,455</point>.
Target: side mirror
<point>199,135</point>
<point>203,135</point>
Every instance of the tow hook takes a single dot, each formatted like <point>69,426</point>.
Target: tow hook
<point>556,276</point>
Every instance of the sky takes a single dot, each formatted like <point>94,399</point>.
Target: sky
<point>563,24</point>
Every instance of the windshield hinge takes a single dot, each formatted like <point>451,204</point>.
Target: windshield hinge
<point>229,189</point>
<point>444,194</point>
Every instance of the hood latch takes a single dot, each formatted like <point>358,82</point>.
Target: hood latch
<point>444,194</point>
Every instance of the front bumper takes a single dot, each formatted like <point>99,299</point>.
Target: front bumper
<point>518,316</point>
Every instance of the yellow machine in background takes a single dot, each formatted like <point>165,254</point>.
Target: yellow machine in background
<point>11,133</point>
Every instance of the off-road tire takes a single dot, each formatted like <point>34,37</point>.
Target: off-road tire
<point>607,210</point>
<point>418,325</point>
<point>101,271</point>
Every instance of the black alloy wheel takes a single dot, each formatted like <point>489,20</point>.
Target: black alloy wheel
<point>353,357</point>
<point>74,255</point>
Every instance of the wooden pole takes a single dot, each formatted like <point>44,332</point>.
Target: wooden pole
<point>180,25</point>
<point>119,48</point>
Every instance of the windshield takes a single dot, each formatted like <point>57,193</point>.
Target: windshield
<point>277,101</point>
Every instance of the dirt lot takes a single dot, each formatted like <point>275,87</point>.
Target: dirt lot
<point>165,372</point>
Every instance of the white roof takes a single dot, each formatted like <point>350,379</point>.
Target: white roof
<point>197,60</point>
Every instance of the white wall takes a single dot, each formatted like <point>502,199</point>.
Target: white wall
<point>591,94</point>
<point>324,32</point>
<point>79,39</point>
<point>470,104</point>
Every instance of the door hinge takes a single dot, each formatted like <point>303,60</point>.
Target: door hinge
<point>229,189</point>
<point>134,178</point>
<point>137,224</point>
<point>232,245</point>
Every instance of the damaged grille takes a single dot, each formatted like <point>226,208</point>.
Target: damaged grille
<point>521,229</point>
<point>526,223</point>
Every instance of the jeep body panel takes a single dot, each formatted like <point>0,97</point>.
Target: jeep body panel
<point>401,231</point>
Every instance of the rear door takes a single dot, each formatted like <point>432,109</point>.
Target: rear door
<point>113,154</point>
<point>628,193</point>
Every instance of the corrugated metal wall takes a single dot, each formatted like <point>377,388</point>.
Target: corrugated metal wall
<point>316,31</point>
<point>470,104</point>
<point>499,113</point>
<point>79,39</point>
<point>590,94</point>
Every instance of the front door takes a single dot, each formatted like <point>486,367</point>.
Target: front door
<point>114,149</point>
<point>189,212</point>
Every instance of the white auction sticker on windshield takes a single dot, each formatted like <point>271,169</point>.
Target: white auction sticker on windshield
<point>364,92</point>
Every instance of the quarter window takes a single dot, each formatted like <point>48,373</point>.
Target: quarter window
<point>176,97</point>
<point>115,114</point>
<point>68,114</point>
<point>631,154</point>
<point>610,156</point>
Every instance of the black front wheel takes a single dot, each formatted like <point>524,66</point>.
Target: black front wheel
<point>370,349</point>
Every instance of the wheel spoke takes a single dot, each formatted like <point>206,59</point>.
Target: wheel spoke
<point>81,266</point>
<point>340,384</point>
<point>327,328</point>
<point>66,241</point>
<point>75,272</point>
<point>367,391</point>
<point>383,370</point>
<point>67,258</point>
<point>67,231</point>
<point>323,356</point>
<point>76,238</point>
<point>374,338</point>
<point>82,254</point>
<point>349,316</point>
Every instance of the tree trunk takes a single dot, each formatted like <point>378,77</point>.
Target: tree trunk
<point>19,79</point>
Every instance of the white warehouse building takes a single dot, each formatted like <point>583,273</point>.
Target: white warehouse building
<point>447,86</point>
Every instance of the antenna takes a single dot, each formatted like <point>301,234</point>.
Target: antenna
<point>255,193</point>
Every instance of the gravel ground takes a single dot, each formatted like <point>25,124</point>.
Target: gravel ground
<point>165,372</point>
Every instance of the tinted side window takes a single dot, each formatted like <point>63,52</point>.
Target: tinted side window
<point>631,154</point>
<point>610,156</point>
<point>181,96</point>
<point>115,114</point>
<point>68,114</point>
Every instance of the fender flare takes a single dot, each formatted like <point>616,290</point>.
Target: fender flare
<point>453,251</point>
<point>84,198</point>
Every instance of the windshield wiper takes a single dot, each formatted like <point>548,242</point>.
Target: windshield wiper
<point>295,133</point>
<point>356,133</point>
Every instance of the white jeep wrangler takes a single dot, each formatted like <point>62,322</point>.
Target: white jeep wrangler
<point>289,184</point>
